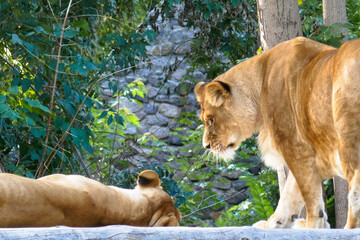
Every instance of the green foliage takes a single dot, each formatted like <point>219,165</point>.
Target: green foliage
<point>98,35</point>
<point>111,146</point>
<point>330,202</point>
<point>332,35</point>
<point>259,206</point>
<point>227,30</point>
<point>191,164</point>
<point>353,15</point>
<point>196,173</point>
<point>311,15</point>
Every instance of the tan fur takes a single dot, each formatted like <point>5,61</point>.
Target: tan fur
<point>77,201</point>
<point>303,97</point>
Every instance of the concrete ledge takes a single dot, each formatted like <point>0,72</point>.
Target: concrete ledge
<point>166,233</point>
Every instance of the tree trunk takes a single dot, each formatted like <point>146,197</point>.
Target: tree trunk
<point>341,202</point>
<point>279,20</point>
<point>334,11</point>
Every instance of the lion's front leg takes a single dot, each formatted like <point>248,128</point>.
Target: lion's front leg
<point>288,209</point>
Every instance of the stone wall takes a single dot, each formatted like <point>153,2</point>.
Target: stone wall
<point>166,98</point>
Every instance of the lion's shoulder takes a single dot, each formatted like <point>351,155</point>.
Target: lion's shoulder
<point>307,43</point>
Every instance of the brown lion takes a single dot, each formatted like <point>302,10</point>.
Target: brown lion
<point>303,97</point>
<point>77,201</point>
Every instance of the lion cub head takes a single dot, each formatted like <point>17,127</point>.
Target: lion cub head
<point>228,115</point>
<point>164,212</point>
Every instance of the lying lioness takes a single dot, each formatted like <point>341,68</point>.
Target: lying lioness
<point>77,201</point>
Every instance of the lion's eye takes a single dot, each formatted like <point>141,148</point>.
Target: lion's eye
<point>211,120</point>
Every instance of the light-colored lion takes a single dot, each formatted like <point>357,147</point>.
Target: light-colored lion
<point>77,201</point>
<point>303,97</point>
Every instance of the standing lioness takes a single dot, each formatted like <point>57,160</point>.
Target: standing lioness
<point>78,201</point>
<point>304,99</point>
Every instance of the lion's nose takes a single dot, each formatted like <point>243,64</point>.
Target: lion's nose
<point>207,145</point>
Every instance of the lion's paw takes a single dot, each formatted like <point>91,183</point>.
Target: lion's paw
<point>260,224</point>
<point>301,223</point>
<point>269,224</point>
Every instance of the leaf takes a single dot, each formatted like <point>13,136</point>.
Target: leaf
<point>15,82</point>
<point>38,84</point>
<point>110,120</point>
<point>150,34</point>
<point>65,126</point>
<point>69,108</point>
<point>133,119</point>
<point>265,202</point>
<point>30,121</point>
<point>38,132</point>
<point>300,2</point>
<point>87,102</point>
<point>88,147</point>
<point>234,3</point>
<point>14,90</point>
<point>103,114</point>
<point>30,47</point>
<point>70,33</point>
<point>2,98</point>
<point>15,38</point>
<point>114,88</point>
<point>91,66</point>
<point>78,68</point>
<point>4,108</point>
<point>39,29</point>
<point>11,167</point>
<point>37,104</point>
<point>67,90</point>
<point>83,24</point>
<point>30,175</point>
<point>9,113</point>
<point>34,156</point>
<point>59,121</point>
<point>119,119</point>
<point>61,156</point>
<point>81,138</point>
<point>25,84</point>
<point>57,31</point>
<point>259,50</point>
<point>78,135</point>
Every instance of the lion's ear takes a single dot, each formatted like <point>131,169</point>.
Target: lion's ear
<point>199,89</point>
<point>148,178</point>
<point>217,92</point>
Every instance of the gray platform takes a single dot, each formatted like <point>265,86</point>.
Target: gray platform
<point>166,233</point>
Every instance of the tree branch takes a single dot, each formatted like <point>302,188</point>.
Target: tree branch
<point>54,150</point>
<point>82,162</point>
<point>53,92</point>
<point>199,209</point>
<point>9,63</point>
